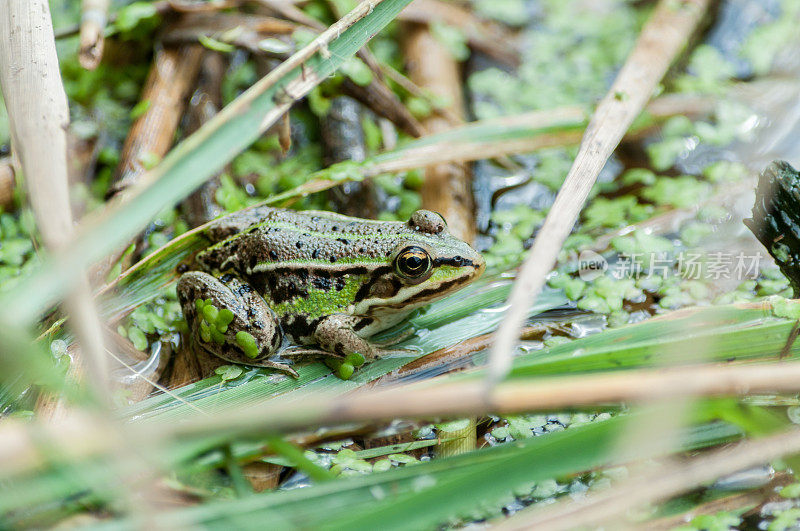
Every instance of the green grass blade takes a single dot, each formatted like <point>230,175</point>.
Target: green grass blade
<point>434,492</point>
<point>721,333</point>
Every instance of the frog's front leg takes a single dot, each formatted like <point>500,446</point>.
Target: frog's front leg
<point>227,318</point>
<point>335,335</point>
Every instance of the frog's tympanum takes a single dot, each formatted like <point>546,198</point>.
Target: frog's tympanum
<point>320,281</point>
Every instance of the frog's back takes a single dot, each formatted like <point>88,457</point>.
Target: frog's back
<point>274,240</point>
<point>308,220</point>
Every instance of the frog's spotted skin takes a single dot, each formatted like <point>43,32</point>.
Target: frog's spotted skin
<point>325,279</point>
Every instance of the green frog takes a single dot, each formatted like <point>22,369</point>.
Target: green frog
<point>311,283</point>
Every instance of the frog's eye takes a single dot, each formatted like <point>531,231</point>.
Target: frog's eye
<point>412,262</point>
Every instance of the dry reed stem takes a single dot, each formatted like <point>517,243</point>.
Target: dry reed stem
<point>445,152</point>
<point>38,112</point>
<point>93,25</point>
<point>657,484</point>
<point>660,41</point>
<point>39,116</point>
<point>734,502</point>
<point>427,399</point>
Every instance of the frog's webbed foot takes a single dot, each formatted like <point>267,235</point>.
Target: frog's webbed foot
<point>402,336</point>
<point>297,352</point>
<point>282,367</point>
<point>227,318</point>
<point>396,352</point>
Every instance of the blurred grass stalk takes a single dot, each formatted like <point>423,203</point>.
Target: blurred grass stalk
<point>81,437</point>
<point>657,483</point>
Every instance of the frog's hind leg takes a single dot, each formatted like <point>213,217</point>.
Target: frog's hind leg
<point>227,318</point>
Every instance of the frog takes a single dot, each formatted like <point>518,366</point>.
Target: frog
<point>276,285</point>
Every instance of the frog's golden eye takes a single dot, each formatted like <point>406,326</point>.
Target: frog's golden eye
<point>412,262</point>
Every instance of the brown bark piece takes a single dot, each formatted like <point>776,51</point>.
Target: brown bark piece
<point>171,78</point>
<point>7,184</point>
<point>490,38</point>
<point>262,476</point>
<point>448,187</point>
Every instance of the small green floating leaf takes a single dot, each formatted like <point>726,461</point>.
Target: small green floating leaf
<point>345,371</point>
<point>224,317</point>
<point>210,313</point>
<point>791,491</point>
<point>229,372</point>
<point>205,332</point>
<point>355,359</point>
<point>214,44</point>
<point>785,308</point>
<point>138,338</point>
<point>248,343</point>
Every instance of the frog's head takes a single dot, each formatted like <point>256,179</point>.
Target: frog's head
<point>426,263</point>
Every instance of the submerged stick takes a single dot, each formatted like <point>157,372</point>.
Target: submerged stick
<point>206,101</point>
<point>343,139</point>
<point>661,40</point>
